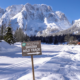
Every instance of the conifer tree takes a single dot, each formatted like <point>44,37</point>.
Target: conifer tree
<point>9,36</point>
<point>1,32</point>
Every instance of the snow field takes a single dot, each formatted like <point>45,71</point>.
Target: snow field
<point>57,62</point>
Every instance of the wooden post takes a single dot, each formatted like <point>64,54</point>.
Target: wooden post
<point>32,67</point>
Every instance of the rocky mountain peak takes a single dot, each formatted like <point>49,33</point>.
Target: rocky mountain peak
<point>61,15</point>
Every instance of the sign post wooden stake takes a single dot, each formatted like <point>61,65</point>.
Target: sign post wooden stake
<point>31,48</point>
<point>32,67</point>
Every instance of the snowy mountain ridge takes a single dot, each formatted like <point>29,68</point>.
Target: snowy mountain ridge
<point>74,29</point>
<point>37,19</point>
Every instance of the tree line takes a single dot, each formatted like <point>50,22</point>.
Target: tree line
<point>19,36</point>
<point>58,39</point>
<point>11,36</point>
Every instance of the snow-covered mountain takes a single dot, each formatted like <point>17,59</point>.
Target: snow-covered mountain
<point>76,25</point>
<point>37,19</point>
<point>74,29</point>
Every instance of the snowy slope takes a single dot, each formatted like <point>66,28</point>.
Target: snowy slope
<point>37,19</point>
<point>57,62</point>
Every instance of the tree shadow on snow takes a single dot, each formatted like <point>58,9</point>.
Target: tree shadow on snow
<point>18,53</point>
<point>71,52</point>
<point>14,72</point>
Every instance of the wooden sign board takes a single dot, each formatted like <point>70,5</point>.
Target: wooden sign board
<point>31,48</point>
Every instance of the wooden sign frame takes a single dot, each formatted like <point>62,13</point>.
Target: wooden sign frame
<point>31,48</point>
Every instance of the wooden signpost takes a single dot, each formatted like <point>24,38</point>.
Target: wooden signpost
<point>31,48</point>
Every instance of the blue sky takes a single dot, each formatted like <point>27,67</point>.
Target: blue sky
<point>71,8</point>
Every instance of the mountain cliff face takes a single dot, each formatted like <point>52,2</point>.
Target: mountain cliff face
<point>37,19</point>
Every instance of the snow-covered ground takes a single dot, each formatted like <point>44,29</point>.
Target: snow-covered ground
<point>57,62</point>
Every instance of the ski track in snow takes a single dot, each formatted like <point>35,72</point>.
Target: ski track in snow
<point>57,62</point>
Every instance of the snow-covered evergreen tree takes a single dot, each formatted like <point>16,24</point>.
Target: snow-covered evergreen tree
<point>8,37</point>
